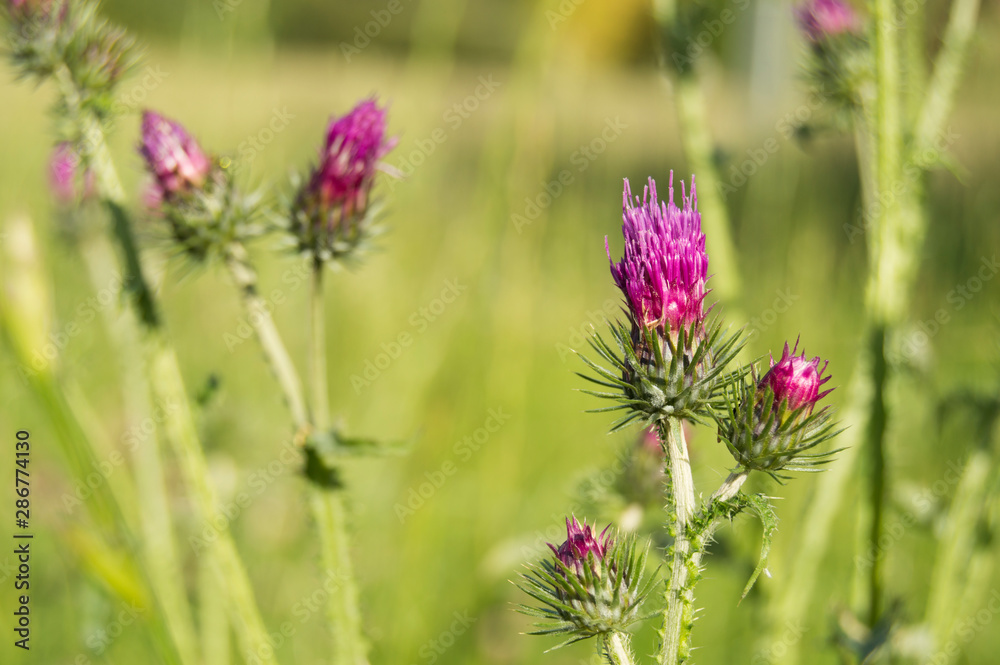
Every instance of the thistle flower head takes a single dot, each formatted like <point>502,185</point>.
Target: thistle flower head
<point>772,421</point>
<point>354,145</point>
<point>821,19</point>
<point>174,158</point>
<point>592,586</point>
<point>795,379</point>
<point>663,271</point>
<point>581,542</point>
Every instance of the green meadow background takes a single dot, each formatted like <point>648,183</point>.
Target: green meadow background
<point>517,122</point>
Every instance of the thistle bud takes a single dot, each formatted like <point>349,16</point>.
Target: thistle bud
<point>175,159</point>
<point>65,180</point>
<point>823,19</point>
<point>333,206</point>
<point>772,420</point>
<point>590,587</point>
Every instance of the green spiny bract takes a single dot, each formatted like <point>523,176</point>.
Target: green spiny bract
<point>592,586</point>
<point>656,377</point>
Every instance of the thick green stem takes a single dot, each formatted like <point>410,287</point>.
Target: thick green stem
<point>349,645</point>
<point>167,387</point>
<point>278,359</point>
<point>159,545</point>
<point>329,509</point>
<point>875,445</point>
<point>616,648</point>
<point>679,611</point>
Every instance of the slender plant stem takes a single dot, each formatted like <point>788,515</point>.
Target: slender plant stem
<point>159,545</point>
<point>616,648</point>
<point>167,387</point>
<point>278,359</point>
<point>212,615</point>
<point>328,506</point>
<point>679,611</point>
<point>731,486</point>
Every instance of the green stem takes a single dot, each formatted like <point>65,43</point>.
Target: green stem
<point>679,611</point>
<point>317,364</point>
<point>159,544</point>
<point>947,73</point>
<point>616,648</point>
<point>875,444</point>
<point>278,359</point>
<point>328,505</point>
<point>330,513</point>
<point>213,621</point>
<point>167,386</point>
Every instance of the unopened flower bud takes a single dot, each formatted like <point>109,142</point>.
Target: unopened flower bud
<point>175,159</point>
<point>822,19</point>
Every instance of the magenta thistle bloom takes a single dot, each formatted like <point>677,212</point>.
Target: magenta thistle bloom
<point>820,19</point>
<point>664,269</point>
<point>63,167</point>
<point>795,379</point>
<point>354,145</point>
<point>174,158</point>
<point>581,541</point>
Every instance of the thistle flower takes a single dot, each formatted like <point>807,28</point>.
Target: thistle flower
<point>822,19</point>
<point>591,587</point>
<point>795,379</point>
<point>354,144</point>
<point>664,269</point>
<point>63,167</point>
<point>175,159</point>
<point>772,421</point>
<point>332,213</point>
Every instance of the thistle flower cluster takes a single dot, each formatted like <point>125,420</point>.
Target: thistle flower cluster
<point>839,64</point>
<point>593,584</point>
<point>670,362</point>
<point>70,41</point>
<point>333,212</point>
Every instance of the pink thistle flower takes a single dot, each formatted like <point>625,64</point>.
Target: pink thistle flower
<point>581,541</point>
<point>174,158</point>
<point>821,19</point>
<point>795,379</point>
<point>664,268</point>
<point>354,145</point>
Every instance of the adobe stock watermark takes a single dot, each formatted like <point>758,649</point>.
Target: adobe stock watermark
<point>453,118</point>
<point>579,335</point>
<point>923,502</point>
<point>562,12</point>
<point>434,648</point>
<point>253,145</point>
<point>363,35</point>
<point>581,158</point>
<point>913,343</point>
<point>777,650</point>
<point>965,631</point>
<point>293,278</point>
<point>461,452</point>
<point>712,30</point>
<point>135,436</point>
<point>911,170</point>
<point>289,456</point>
<point>304,609</point>
<point>741,171</point>
<point>420,320</point>
<point>783,301</point>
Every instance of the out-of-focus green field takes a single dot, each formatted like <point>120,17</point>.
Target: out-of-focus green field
<point>524,296</point>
